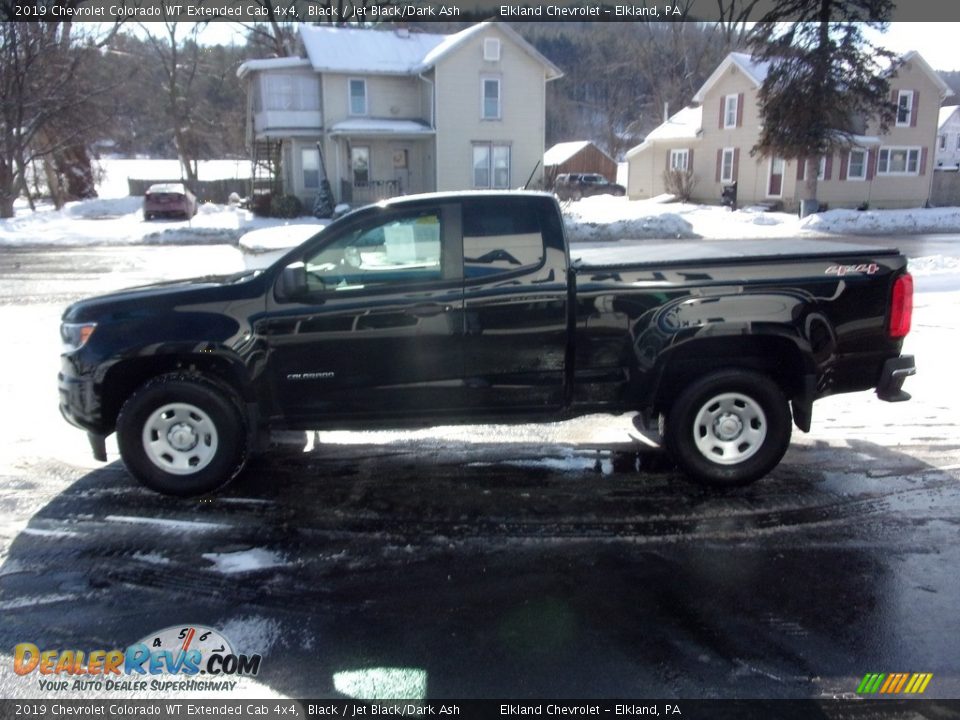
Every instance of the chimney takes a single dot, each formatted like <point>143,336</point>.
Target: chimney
<point>666,111</point>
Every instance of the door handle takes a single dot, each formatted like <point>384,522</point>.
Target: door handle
<point>428,310</point>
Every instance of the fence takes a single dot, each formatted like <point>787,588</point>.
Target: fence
<point>945,191</point>
<point>215,191</point>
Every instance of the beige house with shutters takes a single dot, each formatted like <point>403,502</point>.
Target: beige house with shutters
<point>714,135</point>
<point>381,113</point>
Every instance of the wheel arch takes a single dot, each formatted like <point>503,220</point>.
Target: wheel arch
<point>783,358</point>
<point>123,378</point>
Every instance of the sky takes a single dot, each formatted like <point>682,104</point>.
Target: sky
<point>937,42</point>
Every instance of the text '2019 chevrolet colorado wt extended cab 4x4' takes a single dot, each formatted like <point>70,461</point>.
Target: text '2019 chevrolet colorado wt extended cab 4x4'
<point>466,308</point>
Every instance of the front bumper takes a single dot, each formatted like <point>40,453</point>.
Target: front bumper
<point>895,371</point>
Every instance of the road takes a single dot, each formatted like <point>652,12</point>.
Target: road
<point>488,562</point>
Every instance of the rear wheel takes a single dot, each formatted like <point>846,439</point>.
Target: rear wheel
<point>181,435</point>
<point>729,428</point>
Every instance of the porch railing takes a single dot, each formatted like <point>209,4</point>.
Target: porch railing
<point>369,192</point>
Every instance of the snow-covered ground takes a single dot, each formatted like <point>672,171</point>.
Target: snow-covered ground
<point>116,218</point>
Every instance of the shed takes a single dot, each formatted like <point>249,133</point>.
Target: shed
<point>579,156</point>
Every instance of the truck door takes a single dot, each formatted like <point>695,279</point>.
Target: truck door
<point>515,306</point>
<point>379,332</point>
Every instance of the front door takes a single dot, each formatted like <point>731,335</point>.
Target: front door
<point>775,186</point>
<point>379,332</point>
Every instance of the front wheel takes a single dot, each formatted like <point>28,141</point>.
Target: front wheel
<point>729,428</point>
<point>181,435</point>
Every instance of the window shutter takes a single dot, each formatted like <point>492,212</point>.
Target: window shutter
<point>828,167</point>
<point>844,161</point>
<point>723,103</point>
<point>690,159</point>
<point>740,110</point>
<point>914,107</point>
<point>719,164</point>
<point>871,163</point>
<point>923,161</point>
<point>736,163</point>
<point>668,160</point>
<point>801,168</point>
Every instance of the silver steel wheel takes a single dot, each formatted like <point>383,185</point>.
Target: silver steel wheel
<point>180,438</point>
<point>730,428</point>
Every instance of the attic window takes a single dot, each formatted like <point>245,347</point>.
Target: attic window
<point>491,49</point>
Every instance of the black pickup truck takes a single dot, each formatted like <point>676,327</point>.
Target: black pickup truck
<point>466,308</point>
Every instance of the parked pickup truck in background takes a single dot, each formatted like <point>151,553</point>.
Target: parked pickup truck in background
<point>466,308</point>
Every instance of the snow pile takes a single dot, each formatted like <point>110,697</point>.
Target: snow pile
<point>934,265</point>
<point>101,208</point>
<point>884,222</point>
<point>281,237</point>
<point>116,218</point>
<point>605,217</point>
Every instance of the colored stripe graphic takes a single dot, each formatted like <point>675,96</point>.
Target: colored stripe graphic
<point>894,683</point>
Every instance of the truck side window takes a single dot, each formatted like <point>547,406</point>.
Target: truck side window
<point>405,249</point>
<point>500,236</point>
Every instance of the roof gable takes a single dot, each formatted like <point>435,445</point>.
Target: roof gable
<point>356,50</point>
<point>754,71</point>
<point>561,152</point>
<point>916,58</point>
<point>396,52</point>
<point>946,113</point>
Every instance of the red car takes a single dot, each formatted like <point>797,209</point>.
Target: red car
<point>169,200</point>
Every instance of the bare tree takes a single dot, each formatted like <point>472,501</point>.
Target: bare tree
<point>178,53</point>
<point>46,105</point>
<point>734,18</point>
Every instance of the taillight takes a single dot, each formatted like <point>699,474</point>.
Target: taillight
<point>901,306</point>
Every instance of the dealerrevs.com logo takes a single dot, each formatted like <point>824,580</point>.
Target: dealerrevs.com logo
<point>168,660</point>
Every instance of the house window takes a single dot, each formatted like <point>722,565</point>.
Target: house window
<point>857,165</point>
<point>360,165</point>
<point>904,108</point>
<point>943,142</point>
<point>730,109</point>
<point>285,91</point>
<point>491,165</point>
<point>491,49</point>
<point>358,97</point>
<point>822,167</point>
<point>898,161</point>
<point>726,165</point>
<point>679,159</point>
<point>310,164</point>
<point>958,142</point>
<point>490,90</point>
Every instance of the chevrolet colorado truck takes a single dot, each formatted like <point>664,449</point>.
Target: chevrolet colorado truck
<point>467,308</point>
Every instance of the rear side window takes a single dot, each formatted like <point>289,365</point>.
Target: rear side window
<point>500,236</point>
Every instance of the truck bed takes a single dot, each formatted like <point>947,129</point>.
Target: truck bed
<point>642,252</point>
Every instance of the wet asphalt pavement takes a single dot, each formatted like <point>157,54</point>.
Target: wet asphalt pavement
<point>481,563</point>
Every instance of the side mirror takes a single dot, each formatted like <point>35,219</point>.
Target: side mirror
<point>292,282</point>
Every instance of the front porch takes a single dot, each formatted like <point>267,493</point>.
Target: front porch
<point>379,159</point>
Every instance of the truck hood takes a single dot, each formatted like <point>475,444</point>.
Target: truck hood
<point>161,295</point>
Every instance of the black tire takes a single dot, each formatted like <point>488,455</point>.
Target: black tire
<point>729,428</point>
<point>182,435</point>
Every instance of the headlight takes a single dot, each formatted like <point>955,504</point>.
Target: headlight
<point>75,335</point>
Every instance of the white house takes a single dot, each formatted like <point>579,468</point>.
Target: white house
<point>948,137</point>
<point>389,112</point>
